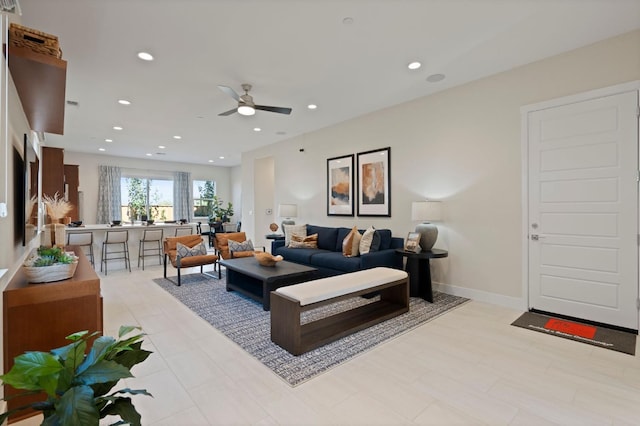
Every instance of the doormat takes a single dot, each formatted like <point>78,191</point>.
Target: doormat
<point>595,335</point>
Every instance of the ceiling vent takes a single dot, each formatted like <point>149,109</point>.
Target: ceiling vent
<point>73,103</point>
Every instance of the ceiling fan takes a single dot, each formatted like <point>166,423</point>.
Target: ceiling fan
<point>246,105</point>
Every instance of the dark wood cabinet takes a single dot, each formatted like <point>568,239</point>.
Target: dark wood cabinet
<point>52,171</point>
<point>41,83</point>
<point>38,317</point>
<point>71,183</point>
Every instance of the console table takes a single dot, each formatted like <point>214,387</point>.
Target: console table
<point>419,271</point>
<point>38,317</point>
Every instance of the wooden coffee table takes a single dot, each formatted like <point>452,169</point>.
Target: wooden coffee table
<point>246,276</point>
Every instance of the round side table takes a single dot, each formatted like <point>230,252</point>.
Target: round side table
<point>419,271</point>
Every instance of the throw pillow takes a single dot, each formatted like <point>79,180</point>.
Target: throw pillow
<point>351,243</point>
<point>300,230</point>
<point>298,241</point>
<point>375,242</point>
<point>197,250</point>
<point>243,246</point>
<point>367,239</point>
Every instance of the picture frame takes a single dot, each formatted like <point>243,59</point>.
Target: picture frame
<point>340,186</point>
<point>412,243</point>
<point>374,183</point>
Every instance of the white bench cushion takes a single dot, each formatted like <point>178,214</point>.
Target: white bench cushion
<point>339,285</point>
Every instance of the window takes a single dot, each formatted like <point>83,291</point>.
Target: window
<point>145,196</point>
<point>204,192</point>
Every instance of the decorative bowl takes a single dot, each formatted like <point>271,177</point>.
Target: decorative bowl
<point>267,259</point>
<point>116,222</point>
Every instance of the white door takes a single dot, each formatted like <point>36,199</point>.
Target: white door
<point>583,209</point>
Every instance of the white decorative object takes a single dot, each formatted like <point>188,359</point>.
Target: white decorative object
<point>46,274</point>
<point>427,211</point>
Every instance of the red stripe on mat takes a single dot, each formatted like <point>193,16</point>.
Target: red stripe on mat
<point>586,331</point>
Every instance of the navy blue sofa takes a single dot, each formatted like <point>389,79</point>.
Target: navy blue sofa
<point>328,258</point>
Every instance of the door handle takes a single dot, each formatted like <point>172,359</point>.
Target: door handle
<point>536,237</point>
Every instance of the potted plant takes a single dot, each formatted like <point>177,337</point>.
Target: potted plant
<point>77,383</point>
<point>227,213</point>
<point>57,209</point>
<point>48,264</point>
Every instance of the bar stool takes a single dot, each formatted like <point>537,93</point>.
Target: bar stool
<point>150,236</point>
<point>82,239</point>
<point>184,230</point>
<point>115,237</point>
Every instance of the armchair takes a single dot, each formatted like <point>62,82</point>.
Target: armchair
<point>179,262</point>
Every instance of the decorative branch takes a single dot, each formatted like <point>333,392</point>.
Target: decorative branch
<point>57,207</point>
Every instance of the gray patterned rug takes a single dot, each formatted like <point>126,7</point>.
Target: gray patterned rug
<point>245,322</point>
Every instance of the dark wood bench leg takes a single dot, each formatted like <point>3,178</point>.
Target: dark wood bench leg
<point>285,323</point>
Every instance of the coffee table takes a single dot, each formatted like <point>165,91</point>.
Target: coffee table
<point>245,275</point>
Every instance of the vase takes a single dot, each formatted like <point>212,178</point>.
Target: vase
<point>59,235</point>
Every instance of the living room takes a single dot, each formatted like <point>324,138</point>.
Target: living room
<point>462,146</point>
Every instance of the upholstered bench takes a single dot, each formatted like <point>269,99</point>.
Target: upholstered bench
<point>287,304</point>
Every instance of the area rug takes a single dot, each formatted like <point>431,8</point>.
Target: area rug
<point>245,322</point>
<point>600,336</point>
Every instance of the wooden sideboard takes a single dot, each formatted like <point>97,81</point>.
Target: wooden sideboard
<point>38,317</point>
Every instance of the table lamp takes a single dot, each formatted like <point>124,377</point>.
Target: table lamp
<point>426,211</point>
<point>288,211</point>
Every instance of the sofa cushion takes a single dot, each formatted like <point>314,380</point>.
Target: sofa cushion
<point>335,260</point>
<point>326,237</point>
<point>385,239</point>
<point>367,239</point>
<point>310,241</point>
<point>241,246</point>
<point>351,243</point>
<point>342,234</point>
<point>299,255</point>
<point>186,251</point>
<point>289,230</point>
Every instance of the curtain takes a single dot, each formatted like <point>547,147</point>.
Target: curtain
<point>182,196</point>
<point>109,200</point>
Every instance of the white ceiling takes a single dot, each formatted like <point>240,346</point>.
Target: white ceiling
<point>293,52</point>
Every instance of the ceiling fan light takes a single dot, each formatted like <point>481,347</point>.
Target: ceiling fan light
<point>246,110</point>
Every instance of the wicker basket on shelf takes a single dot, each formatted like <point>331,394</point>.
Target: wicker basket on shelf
<point>34,40</point>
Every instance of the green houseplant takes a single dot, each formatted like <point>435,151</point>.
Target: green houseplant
<point>77,383</point>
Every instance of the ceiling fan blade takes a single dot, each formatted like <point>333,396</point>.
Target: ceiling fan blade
<point>231,111</point>
<point>229,91</point>
<point>279,110</point>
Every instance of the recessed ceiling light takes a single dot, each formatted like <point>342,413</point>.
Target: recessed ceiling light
<point>211,161</point>
<point>124,102</point>
<point>148,154</point>
<point>145,56</point>
<point>256,129</point>
<point>221,157</point>
<point>434,78</point>
<point>312,106</point>
<point>108,140</point>
<point>101,149</point>
<point>348,20</point>
<point>177,137</point>
<point>161,146</point>
<point>414,65</point>
<point>117,128</point>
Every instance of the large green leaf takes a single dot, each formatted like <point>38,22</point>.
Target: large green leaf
<point>101,346</point>
<point>125,329</point>
<point>49,384</point>
<point>78,335</point>
<point>29,367</point>
<point>124,408</point>
<point>102,372</point>
<point>74,357</point>
<point>132,357</point>
<point>76,407</point>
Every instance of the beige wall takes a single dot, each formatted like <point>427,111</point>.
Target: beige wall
<point>89,176</point>
<point>461,145</point>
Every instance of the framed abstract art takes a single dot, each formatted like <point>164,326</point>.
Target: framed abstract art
<point>340,192</point>
<point>374,183</point>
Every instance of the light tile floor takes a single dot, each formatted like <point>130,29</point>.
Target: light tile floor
<point>468,367</point>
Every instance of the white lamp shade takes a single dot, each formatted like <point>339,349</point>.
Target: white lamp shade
<point>426,210</point>
<point>288,210</point>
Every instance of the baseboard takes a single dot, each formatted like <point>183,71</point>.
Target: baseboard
<point>516,303</point>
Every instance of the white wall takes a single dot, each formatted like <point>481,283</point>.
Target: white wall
<point>461,145</point>
<point>89,166</point>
